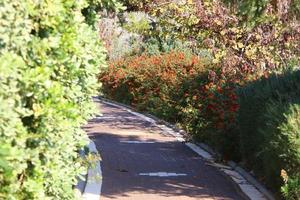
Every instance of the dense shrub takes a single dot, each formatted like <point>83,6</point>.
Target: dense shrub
<point>153,83</point>
<point>155,46</point>
<point>48,60</point>
<point>137,22</point>
<point>291,187</point>
<point>269,127</point>
<point>181,88</point>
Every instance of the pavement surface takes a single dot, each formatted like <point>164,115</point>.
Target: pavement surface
<point>141,162</point>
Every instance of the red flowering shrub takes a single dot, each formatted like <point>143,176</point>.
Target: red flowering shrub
<point>151,83</point>
<point>178,88</point>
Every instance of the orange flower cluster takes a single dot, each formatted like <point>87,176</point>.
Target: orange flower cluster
<point>145,77</point>
<point>168,84</point>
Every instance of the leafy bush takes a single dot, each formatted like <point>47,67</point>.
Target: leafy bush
<point>151,83</point>
<point>49,58</point>
<point>269,127</point>
<point>291,187</point>
<point>280,149</point>
<point>137,22</point>
<point>178,87</point>
<point>156,46</point>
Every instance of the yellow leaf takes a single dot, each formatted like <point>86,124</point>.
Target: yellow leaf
<point>37,109</point>
<point>258,37</point>
<point>240,45</point>
<point>190,1</point>
<point>218,22</point>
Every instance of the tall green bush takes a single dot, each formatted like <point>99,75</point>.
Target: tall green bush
<point>49,57</point>
<point>269,128</point>
<point>281,149</point>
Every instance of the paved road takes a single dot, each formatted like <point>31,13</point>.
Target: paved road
<point>140,162</point>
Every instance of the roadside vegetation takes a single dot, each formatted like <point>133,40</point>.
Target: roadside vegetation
<point>225,71</point>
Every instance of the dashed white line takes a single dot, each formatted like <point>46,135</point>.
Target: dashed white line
<point>137,142</point>
<point>162,174</point>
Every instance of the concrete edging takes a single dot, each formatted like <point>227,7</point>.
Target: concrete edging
<point>93,185</point>
<point>244,183</point>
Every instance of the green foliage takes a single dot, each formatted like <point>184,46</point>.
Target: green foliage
<point>295,9</point>
<point>137,22</point>
<point>155,46</point>
<point>280,148</point>
<point>254,10</point>
<point>91,11</point>
<point>291,189</point>
<point>269,127</point>
<point>134,5</point>
<point>49,58</point>
<point>251,9</point>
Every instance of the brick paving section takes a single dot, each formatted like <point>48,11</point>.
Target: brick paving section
<point>123,161</point>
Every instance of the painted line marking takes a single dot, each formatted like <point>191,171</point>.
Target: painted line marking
<point>115,117</point>
<point>105,117</point>
<point>137,142</point>
<point>162,174</point>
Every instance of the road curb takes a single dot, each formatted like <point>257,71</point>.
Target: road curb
<point>243,182</point>
<point>93,185</point>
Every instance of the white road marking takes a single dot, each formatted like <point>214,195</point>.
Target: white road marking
<point>162,174</point>
<point>105,117</point>
<point>115,117</point>
<point>137,142</point>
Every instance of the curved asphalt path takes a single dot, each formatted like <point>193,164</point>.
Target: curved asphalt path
<point>130,146</point>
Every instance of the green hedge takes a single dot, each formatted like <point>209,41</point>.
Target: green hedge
<point>49,57</point>
<point>270,130</point>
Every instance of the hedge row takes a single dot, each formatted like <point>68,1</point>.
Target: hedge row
<point>49,58</point>
<point>269,122</point>
<point>257,126</point>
